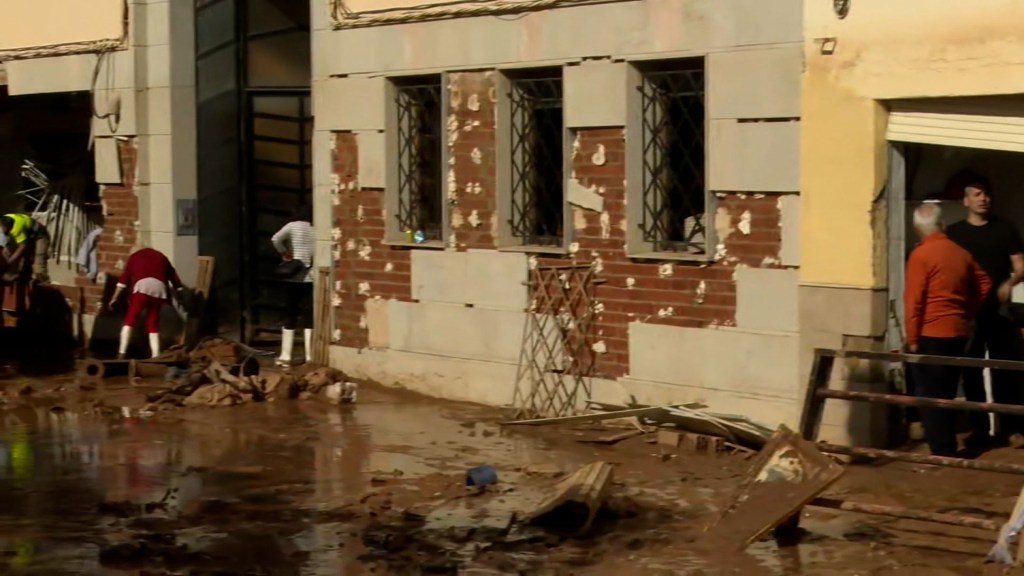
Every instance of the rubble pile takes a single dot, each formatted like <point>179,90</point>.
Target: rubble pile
<point>219,373</point>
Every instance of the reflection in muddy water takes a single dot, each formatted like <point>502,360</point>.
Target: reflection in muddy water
<point>275,465</point>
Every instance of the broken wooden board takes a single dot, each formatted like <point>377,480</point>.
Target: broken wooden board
<point>711,424</point>
<point>575,500</point>
<point>614,438</point>
<point>701,443</point>
<point>588,417</point>
<point>787,474</point>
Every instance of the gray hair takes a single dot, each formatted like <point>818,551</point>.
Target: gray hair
<point>928,218</point>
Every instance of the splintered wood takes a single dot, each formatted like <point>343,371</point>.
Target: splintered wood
<point>787,474</point>
<point>576,500</point>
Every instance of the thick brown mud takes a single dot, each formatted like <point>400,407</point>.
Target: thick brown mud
<point>306,488</point>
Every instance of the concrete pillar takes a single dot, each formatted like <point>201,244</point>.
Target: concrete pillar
<point>164,48</point>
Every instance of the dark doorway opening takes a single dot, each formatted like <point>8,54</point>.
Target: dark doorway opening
<point>255,130</point>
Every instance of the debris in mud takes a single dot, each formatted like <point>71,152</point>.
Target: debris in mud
<point>147,548</point>
<point>787,474</point>
<point>515,528</point>
<point>576,500</point>
<point>217,373</point>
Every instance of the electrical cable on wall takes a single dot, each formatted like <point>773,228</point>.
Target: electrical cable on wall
<point>344,17</point>
<point>113,118</point>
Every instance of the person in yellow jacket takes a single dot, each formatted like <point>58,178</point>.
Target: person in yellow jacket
<point>31,244</point>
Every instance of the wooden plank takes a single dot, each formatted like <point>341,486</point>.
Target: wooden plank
<point>585,489</point>
<point>614,438</point>
<point>788,473</point>
<point>588,417</point>
<point>322,324</point>
<point>204,282</point>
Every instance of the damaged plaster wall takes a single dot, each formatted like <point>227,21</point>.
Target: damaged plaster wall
<point>434,319</point>
<point>143,165</point>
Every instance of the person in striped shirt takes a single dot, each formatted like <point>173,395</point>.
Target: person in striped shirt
<point>295,243</point>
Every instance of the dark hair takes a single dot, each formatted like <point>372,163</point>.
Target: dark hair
<point>6,221</point>
<point>969,179</point>
<point>303,213</point>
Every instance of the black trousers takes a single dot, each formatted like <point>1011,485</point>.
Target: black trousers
<point>298,305</point>
<point>938,382</point>
<point>1002,339</point>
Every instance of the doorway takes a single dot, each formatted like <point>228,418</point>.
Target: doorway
<point>253,62</point>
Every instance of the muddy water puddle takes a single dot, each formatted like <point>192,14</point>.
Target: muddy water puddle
<point>304,488</point>
<point>278,467</point>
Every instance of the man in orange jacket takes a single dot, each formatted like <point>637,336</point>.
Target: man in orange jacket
<point>945,289</point>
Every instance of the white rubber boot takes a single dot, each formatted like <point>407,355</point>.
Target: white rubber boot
<point>154,345</point>
<point>287,343</point>
<point>308,344</point>
<point>122,346</point>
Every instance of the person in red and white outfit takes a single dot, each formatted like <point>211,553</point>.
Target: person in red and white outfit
<point>149,274</point>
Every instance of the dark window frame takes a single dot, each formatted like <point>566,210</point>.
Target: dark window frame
<point>537,164</point>
<point>673,156</point>
<point>420,142</point>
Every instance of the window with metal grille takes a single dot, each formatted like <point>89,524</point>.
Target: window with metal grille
<point>537,142</point>
<point>420,200</point>
<point>673,136</point>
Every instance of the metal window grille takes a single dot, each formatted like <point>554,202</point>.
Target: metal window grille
<point>537,159</point>
<point>419,149</point>
<point>673,137</point>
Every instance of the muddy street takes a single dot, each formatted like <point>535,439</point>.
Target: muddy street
<point>378,487</point>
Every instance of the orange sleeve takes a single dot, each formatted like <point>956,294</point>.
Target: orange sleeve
<point>914,296</point>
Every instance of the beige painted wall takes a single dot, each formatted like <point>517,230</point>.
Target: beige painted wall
<point>153,79</point>
<point>883,50</point>
<point>28,24</point>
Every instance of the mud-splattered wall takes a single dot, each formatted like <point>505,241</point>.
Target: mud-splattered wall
<point>120,222</point>
<point>661,292</point>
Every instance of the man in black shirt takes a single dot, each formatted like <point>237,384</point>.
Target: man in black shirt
<point>996,246</point>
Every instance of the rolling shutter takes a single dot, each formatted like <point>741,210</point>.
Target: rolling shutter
<point>963,130</point>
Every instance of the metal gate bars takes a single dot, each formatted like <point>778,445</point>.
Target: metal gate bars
<point>818,392</point>
<point>556,359</point>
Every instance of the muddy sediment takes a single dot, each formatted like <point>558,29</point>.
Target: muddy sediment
<point>304,487</point>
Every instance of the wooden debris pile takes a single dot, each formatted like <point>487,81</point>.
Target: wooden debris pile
<point>676,425</point>
<point>220,373</point>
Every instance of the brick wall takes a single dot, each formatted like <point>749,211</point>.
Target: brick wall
<point>471,172</point>
<point>365,267</point>
<point>120,229</point>
<point>677,293</point>
<point>663,292</point>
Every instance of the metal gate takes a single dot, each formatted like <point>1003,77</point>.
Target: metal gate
<point>278,178</point>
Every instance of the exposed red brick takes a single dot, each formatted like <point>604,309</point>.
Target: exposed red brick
<point>688,294</point>
<point>362,257</point>
<point>669,292</point>
<point>471,149</point>
<point>120,233</point>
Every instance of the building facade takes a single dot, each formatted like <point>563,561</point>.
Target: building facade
<point>736,174</point>
<point>897,98</point>
<point>462,147</point>
<point>133,63</point>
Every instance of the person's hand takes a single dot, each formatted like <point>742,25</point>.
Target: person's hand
<point>1005,291</point>
<point>912,348</point>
